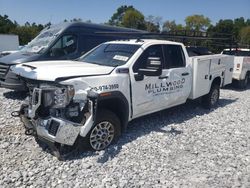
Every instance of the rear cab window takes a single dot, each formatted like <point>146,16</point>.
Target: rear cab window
<point>174,56</point>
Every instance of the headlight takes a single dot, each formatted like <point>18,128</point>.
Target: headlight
<point>57,97</point>
<point>60,98</point>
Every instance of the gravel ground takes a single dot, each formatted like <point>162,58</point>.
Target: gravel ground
<point>185,146</point>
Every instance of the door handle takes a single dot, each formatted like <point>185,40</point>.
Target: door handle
<point>185,74</point>
<point>163,77</point>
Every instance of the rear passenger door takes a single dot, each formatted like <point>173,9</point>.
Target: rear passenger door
<point>179,74</point>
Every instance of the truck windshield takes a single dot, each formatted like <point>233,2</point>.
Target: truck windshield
<point>110,54</point>
<point>42,41</point>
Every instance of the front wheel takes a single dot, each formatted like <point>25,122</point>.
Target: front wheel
<point>106,130</point>
<point>211,99</point>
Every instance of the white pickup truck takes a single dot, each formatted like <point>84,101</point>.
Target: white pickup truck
<point>241,72</point>
<point>94,98</point>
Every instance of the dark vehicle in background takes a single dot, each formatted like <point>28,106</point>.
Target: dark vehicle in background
<point>64,41</point>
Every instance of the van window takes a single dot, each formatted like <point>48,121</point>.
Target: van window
<point>174,56</point>
<point>42,41</point>
<point>64,46</point>
<point>152,51</point>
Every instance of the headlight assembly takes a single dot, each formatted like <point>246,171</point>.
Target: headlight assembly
<point>57,97</point>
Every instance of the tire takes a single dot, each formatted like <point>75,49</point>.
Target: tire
<point>211,99</point>
<point>106,130</point>
<point>242,84</point>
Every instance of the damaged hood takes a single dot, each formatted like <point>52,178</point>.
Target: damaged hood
<point>52,70</point>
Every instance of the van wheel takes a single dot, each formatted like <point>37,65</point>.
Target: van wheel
<point>107,130</point>
<point>211,99</point>
<point>242,84</point>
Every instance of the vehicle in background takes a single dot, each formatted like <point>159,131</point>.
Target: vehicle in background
<point>90,101</point>
<point>57,42</point>
<point>241,72</point>
<point>8,42</point>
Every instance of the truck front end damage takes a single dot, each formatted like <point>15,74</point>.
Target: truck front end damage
<point>52,113</point>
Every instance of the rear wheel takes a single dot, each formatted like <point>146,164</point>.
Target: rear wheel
<point>107,130</point>
<point>242,84</point>
<point>211,99</point>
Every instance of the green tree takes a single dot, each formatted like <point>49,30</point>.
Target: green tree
<point>245,36</point>
<point>172,26</point>
<point>6,25</point>
<point>153,23</point>
<point>117,17</point>
<point>197,22</point>
<point>133,19</point>
<point>76,20</point>
<point>239,23</point>
<point>151,27</point>
<point>223,26</point>
<point>27,33</point>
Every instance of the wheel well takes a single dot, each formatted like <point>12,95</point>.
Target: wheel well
<point>248,73</point>
<point>117,106</point>
<point>217,81</point>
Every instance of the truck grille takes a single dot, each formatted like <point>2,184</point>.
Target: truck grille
<point>3,70</point>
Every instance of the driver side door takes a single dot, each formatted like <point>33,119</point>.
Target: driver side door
<point>149,93</point>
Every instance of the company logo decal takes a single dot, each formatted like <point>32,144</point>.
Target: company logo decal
<point>164,87</point>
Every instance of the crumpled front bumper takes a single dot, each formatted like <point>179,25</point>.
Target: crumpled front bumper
<point>54,129</point>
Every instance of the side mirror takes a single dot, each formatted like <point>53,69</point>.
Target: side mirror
<point>153,68</point>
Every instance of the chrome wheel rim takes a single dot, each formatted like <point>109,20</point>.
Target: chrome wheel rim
<point>102,135</point>
<point>214,96</point>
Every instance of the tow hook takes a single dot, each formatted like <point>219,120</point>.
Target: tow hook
<point>15,114</point>
<point>30,131</point>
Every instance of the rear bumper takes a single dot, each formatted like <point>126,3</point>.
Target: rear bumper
<point>237,76</point>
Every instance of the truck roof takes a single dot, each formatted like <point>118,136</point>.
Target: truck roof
<point>143,41</point>
<point>91,26</point>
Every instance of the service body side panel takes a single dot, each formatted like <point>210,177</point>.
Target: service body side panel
<point>205,70</point>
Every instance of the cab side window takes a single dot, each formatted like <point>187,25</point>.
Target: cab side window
<point>152,51</point>
<point>64,46</point>
<point>174,56</point>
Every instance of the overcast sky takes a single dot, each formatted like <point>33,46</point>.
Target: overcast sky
<point>100,11</point>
